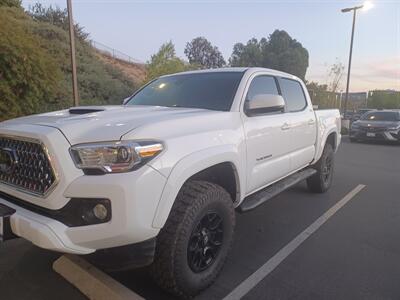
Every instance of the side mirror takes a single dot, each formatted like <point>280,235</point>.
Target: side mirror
<point>265,103</point>
<point>125,100</point>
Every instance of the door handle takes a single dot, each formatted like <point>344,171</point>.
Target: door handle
<point>311,122</point>
<point>285,126</point>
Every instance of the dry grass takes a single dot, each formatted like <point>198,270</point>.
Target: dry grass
<point>134,71</point>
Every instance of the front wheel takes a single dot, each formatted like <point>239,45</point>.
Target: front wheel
<point>321,181</point>
<point>194,243</point>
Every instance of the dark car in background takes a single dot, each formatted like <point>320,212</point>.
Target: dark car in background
<point>381,125</point>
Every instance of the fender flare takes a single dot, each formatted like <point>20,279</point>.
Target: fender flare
<point>189,166</point>
<point>323,140</point>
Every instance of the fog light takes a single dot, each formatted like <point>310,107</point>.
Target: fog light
<point>100,211</point>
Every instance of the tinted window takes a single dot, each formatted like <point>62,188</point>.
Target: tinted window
<point>381,116</point>
<point>293,94</point>
<point>213,91</point>
<point>262,85</point>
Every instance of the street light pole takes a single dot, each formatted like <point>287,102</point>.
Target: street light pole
<point>367,5</point>
<point>72,46</point>
<point>354,9</point>
<point>346,99</point>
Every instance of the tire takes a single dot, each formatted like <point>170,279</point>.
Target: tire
<point>177,268</point>
<point>322,180</point>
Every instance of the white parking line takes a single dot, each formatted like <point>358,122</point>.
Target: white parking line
<point>92,282</point>
<point>273,262</point>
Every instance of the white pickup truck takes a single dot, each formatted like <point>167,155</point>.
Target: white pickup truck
<point>156,181</point>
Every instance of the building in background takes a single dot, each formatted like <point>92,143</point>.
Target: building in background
<point>356,100</point>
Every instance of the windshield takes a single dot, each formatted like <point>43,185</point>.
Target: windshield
<point>381,116</point>
<point>211,90</point>
<point>363,111</point>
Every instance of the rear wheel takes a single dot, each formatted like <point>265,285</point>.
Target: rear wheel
<point>193,245</point>
<point>322,180</point>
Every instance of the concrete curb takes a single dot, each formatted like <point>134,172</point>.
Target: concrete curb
<point>92,282</point>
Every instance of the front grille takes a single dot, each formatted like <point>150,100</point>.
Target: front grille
<point>27,166</point>
<point>374,129</point>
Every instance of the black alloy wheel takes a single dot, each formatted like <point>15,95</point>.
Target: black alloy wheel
<point>327,169</point>
<point>321,181</point>
<point>205,242</point>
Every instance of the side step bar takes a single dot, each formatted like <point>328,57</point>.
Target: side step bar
<point>262,196</point>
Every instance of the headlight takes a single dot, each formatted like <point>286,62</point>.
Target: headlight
<point>114,157</point>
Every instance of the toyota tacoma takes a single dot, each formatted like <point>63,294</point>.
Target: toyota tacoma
<point>157,181</point>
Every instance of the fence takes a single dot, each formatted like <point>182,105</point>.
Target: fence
<point>325,99</point>
<point>114,53</point>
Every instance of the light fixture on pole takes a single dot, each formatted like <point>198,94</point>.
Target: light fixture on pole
<point>366,6</point>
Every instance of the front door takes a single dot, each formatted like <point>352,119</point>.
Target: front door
<point>267,139</point>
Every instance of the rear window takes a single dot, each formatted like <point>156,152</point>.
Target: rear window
<point>381,116</point>
<point>293,94</point>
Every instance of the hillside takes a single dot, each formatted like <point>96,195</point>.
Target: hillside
<point>35,67</point>
<point>135,71</point>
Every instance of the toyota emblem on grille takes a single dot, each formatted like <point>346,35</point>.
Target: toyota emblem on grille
<point>8,160</point>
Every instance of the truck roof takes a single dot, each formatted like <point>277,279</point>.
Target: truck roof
<point>238,69</point>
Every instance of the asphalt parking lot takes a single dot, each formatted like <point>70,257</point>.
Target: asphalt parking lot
<point>354,255</point>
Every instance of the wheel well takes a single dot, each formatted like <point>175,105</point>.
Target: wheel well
<point>332,140</point>
<point>223,174</point>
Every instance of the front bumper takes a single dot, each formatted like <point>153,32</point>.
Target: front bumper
<point>134,200</point>
<point>134,197</point>
<point>377,135</point>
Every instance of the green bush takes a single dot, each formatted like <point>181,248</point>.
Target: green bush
<point>10,3</point>
<point>35,69</point>
<point>98,83</point>
<point>384,99</point>
<point>28,73</point>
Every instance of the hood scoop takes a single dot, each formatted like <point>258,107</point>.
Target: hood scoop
<point>82,111</point>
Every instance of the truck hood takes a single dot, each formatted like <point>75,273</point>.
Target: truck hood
<point>104,123</point>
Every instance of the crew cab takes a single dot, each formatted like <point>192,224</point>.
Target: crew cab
<point>157,181</point>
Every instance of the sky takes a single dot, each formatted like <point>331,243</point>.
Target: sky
<point>138,28</point>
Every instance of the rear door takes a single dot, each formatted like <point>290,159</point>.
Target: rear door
<point>301,120</point>
<point>267,138</point>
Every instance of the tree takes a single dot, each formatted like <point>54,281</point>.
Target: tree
<point>279,51</point>
<point>202,53</point>
<point>164,62</point>
<point>335,76</point>
<point>321,96</point>
<point>249,55</point>
<point>55,16</point>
